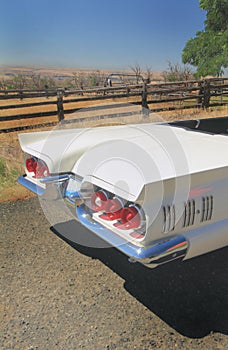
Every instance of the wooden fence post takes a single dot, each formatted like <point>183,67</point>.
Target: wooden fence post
<point>144,96</point>
<point>206,94</point>
<point>60,108</point>
<point>200,93</point>
<point>145,108</point>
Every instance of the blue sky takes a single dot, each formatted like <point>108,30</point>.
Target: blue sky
<point>97,34</point>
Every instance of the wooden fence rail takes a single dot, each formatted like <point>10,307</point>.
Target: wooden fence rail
<point>190,94</point>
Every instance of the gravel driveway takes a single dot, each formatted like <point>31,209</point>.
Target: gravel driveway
<point>55,296</point>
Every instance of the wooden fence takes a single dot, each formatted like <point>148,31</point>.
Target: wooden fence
<point>154,97</point>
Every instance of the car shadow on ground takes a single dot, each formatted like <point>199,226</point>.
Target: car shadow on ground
<point>190,296</point>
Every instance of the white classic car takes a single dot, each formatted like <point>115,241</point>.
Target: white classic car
<point>157,192</point>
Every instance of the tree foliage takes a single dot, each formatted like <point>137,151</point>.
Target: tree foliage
<point>176,72</point>
<point>138,72</point>
<point>208,51</point>
<point>31,82</point>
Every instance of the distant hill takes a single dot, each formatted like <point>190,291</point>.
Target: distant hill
<point>61,73</point>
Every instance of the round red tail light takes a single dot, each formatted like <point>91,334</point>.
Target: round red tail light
<point>41,170</point>
<point>98,200</point>
<point>113,209</point>
<point>37,167</point>
<point>30,164</point>
<point>129,218</point>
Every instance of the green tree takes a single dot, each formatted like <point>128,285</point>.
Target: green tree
<point>208,51</point>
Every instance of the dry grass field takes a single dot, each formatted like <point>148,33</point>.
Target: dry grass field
<point>84,105</point>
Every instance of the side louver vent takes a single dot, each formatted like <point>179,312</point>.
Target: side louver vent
<point>169,218</point>
<point>189,213</point>
<point>207,208</point>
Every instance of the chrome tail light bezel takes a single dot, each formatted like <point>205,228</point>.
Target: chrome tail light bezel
<point>106,218</point>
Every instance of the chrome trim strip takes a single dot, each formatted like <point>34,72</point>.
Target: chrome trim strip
<point>22,180</point>
<point>55,178</point>
<point>159,252</point>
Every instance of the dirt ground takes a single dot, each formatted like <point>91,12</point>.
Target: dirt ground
<point>58,296</point>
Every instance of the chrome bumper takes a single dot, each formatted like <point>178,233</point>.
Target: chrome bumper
<point>57,180</point>
<point>157,253</point>
<point>22,180</point>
